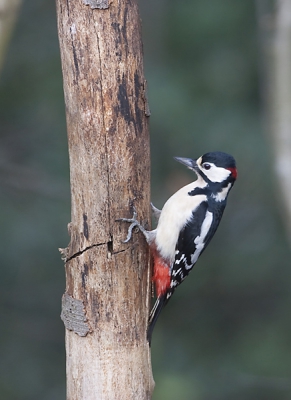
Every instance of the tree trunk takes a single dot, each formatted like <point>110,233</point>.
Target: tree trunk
<point>281,106</point>
<point>8,15</point>
<point>106,304</point>
<point>275,41</point>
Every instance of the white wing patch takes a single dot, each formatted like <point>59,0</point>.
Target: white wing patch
<point>200,240</point>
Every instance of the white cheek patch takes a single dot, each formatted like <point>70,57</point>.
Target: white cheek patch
<point>215,174</point>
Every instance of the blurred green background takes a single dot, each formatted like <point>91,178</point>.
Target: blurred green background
<point>226,332</point>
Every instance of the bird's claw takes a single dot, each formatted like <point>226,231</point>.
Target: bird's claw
<point>133,223</point>
<point>129,232</point>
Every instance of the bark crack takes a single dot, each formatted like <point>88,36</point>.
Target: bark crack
<point>64,252</point>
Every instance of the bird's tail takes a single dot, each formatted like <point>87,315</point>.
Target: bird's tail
<point>154,315</point>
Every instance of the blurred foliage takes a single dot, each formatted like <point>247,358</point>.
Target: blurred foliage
<point>226,333</point>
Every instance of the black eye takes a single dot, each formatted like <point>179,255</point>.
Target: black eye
<point>206,166</point>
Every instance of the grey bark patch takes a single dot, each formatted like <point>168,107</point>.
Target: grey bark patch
<point>101,4</point>
<point>73,315</point>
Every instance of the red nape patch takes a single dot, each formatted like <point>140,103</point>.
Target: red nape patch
<point>233,172</point>
<point>161,276</point>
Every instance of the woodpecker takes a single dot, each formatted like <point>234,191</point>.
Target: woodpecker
<point>186,224</point>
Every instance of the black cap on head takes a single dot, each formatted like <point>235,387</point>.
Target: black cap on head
<point>220,159</point>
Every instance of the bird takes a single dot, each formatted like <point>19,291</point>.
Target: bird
<point>186,224</point>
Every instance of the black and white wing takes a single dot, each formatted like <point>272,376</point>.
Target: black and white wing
<point>192,241</point>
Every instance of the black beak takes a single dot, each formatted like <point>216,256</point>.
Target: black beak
<point>191,164</point>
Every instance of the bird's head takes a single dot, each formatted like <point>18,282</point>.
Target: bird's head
<point>214,167</point>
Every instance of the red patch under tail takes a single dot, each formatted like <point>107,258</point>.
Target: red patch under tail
<point>161,275</point>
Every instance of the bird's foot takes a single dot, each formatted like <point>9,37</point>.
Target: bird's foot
<point>133,223</point>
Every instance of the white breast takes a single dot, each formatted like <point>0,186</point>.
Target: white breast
<point>174,216</point>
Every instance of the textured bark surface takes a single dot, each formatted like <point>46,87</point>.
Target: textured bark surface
<point>108,138</point>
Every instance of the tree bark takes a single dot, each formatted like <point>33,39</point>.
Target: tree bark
<point>106,304</point>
